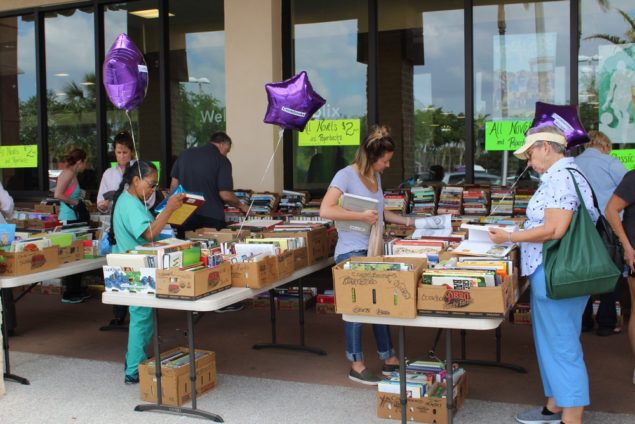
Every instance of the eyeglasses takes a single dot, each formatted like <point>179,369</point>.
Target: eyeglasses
<point>152,185</point>
<point>530,151</point>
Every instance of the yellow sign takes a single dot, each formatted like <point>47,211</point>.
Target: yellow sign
<point>627,156</point>
<point>24,156</point>
<point>330,132</point>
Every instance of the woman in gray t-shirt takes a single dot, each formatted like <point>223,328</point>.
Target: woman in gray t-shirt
<point>362,178</point>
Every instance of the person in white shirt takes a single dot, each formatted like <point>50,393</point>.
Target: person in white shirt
<point>124,154</point>
<point>6,205</point>
<point>6,212</point>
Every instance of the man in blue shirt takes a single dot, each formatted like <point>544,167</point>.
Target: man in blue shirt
<point>604,172</point>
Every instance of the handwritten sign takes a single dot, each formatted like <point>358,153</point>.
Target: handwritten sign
<point>505,135</point>
<point>24,156</point>
<point>330,132</point>
<point>155,162</point>
<point>626,156</point>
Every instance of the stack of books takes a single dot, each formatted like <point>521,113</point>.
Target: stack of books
<point>475,200</point>
<point>312,208</point>
<point>292,201</point>
<point>450,200</point>
<point>521,200</point>
<point>264,203</point>
<point>424,200</point>
<point>502,201</point>
<point>396,200</point>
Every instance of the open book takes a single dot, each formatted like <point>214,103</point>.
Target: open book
<point>479,243</point>
<point>356,203</point>
<point>190,204</point>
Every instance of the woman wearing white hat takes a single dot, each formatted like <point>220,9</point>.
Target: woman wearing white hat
<point>556,324</point>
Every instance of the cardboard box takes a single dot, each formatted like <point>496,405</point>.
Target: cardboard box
<point>325,304</point>
<point>284,264</point>
<point>263,301</point>
<point>378,293</point>
<point>173,283</point>
<point>290,303</point>
<point>221,236</point>
<point>300,258</point>
<point>20,263</point>
<point>41,207</point>
<point>423,410</point>
<point>176,388</point>
<point>477,301</point>
<point>315,240</point>
<point>125,279</point>
<point>74,252</point>
<point>254,275</point>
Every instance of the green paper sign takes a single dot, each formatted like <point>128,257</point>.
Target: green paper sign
<point>626,156</point>
<point>330,132</point>
<point>505,135</point>
<point>24,156</point>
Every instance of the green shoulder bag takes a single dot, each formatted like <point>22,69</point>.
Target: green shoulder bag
<point>578,264</point>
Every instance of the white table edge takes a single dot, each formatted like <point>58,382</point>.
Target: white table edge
<point>472,323</point>
<point>63,270</point>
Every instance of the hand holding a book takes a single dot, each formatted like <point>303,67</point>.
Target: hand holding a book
<point>174,202</point>
<point>499,235</point>
<point>369,216</point>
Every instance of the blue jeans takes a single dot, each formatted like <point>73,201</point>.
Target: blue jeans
<point>353,330</point>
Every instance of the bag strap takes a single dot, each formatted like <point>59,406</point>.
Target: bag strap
<point>595,200</point>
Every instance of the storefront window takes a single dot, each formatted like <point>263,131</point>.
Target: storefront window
<point>329,44</point>
<point>606,73</point>
<point>197,71</point>
<point>140,20</point>
<point>521,55</point>
<point>18,108</point>
<point>421,88</point>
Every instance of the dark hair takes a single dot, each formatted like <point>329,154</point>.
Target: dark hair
<point>123,138</point>
<point>74,156</point>
<point>139,168</point>
<point>377,143</point>
<point>220,137</point>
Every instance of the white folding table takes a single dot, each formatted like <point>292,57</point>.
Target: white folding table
<point>447,323</point>
<point>63,270</point>
<point>210,303</point>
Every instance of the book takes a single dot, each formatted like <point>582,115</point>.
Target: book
<point>7,234</point>
<point>190,204</point>
<point>479,243</point>
<point>356,203</point>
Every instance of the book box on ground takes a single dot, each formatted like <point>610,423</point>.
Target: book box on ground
<point>174,283</point>
<point>176,387</point>
<point>422,410</point>
<point>476,301</point>
<point>20,263</point>
<point>378,293</point>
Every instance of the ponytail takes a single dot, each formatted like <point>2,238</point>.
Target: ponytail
<point>377,143</point>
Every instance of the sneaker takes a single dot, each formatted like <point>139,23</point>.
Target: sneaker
<point>129,379</point>
<point>231,308</point>
<point>74,299</point>
<point>388,369</point>
<point>538,416</point>
<point>364,377</point>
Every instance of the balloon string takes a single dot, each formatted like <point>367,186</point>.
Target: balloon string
<point>280,134</point>
<point>510,189</point>
<point>136,154</point>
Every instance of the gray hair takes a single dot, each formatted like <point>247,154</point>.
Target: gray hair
<point>557,147</point>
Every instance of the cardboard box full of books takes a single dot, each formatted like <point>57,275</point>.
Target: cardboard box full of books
<point>26,262</point>
<point>221,236</point>
<point>176,387</point>
<point>254,275</point>
<point>300,258</point>
<point>174,283</point>
<point>421,410</point>
<point>475,301</point>
<point>74,252</point>
<point>284,264</point>
<point>382,286</point>
<point>316,241</point>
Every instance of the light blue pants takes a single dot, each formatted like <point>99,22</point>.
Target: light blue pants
<point>556,326</point>
<point>140,332</point>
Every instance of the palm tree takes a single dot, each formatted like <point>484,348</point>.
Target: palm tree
<point>629,35</point>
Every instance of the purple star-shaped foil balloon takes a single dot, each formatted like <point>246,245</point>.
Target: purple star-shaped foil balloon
<point>565,117</point>
<point>125,74</point>
<point>292,102</point>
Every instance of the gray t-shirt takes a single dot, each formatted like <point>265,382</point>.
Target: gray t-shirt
<point>348,181</point>
<point>204,170</point>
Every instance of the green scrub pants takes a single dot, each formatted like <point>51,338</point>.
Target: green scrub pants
<point>140,333</point>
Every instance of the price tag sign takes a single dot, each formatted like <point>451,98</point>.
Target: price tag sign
<point>505,135</point>
<point>330,132</point>
<point>627,156</point>
<point>24,156</point>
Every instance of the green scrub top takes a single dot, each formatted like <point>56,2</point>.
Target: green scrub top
<point>131,220</point>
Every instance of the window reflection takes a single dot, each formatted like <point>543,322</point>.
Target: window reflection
<point>328,37</point>
<point>197,74</point>
<point>18,109</point>
<point>70,80</point>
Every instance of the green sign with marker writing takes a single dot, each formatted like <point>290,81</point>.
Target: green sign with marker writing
<point>505,135</point>
<point>24,156</point>
<point>627,156</point>
<point>330,132</point>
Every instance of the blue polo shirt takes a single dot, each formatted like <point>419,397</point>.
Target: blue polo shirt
<point>603,171</point>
